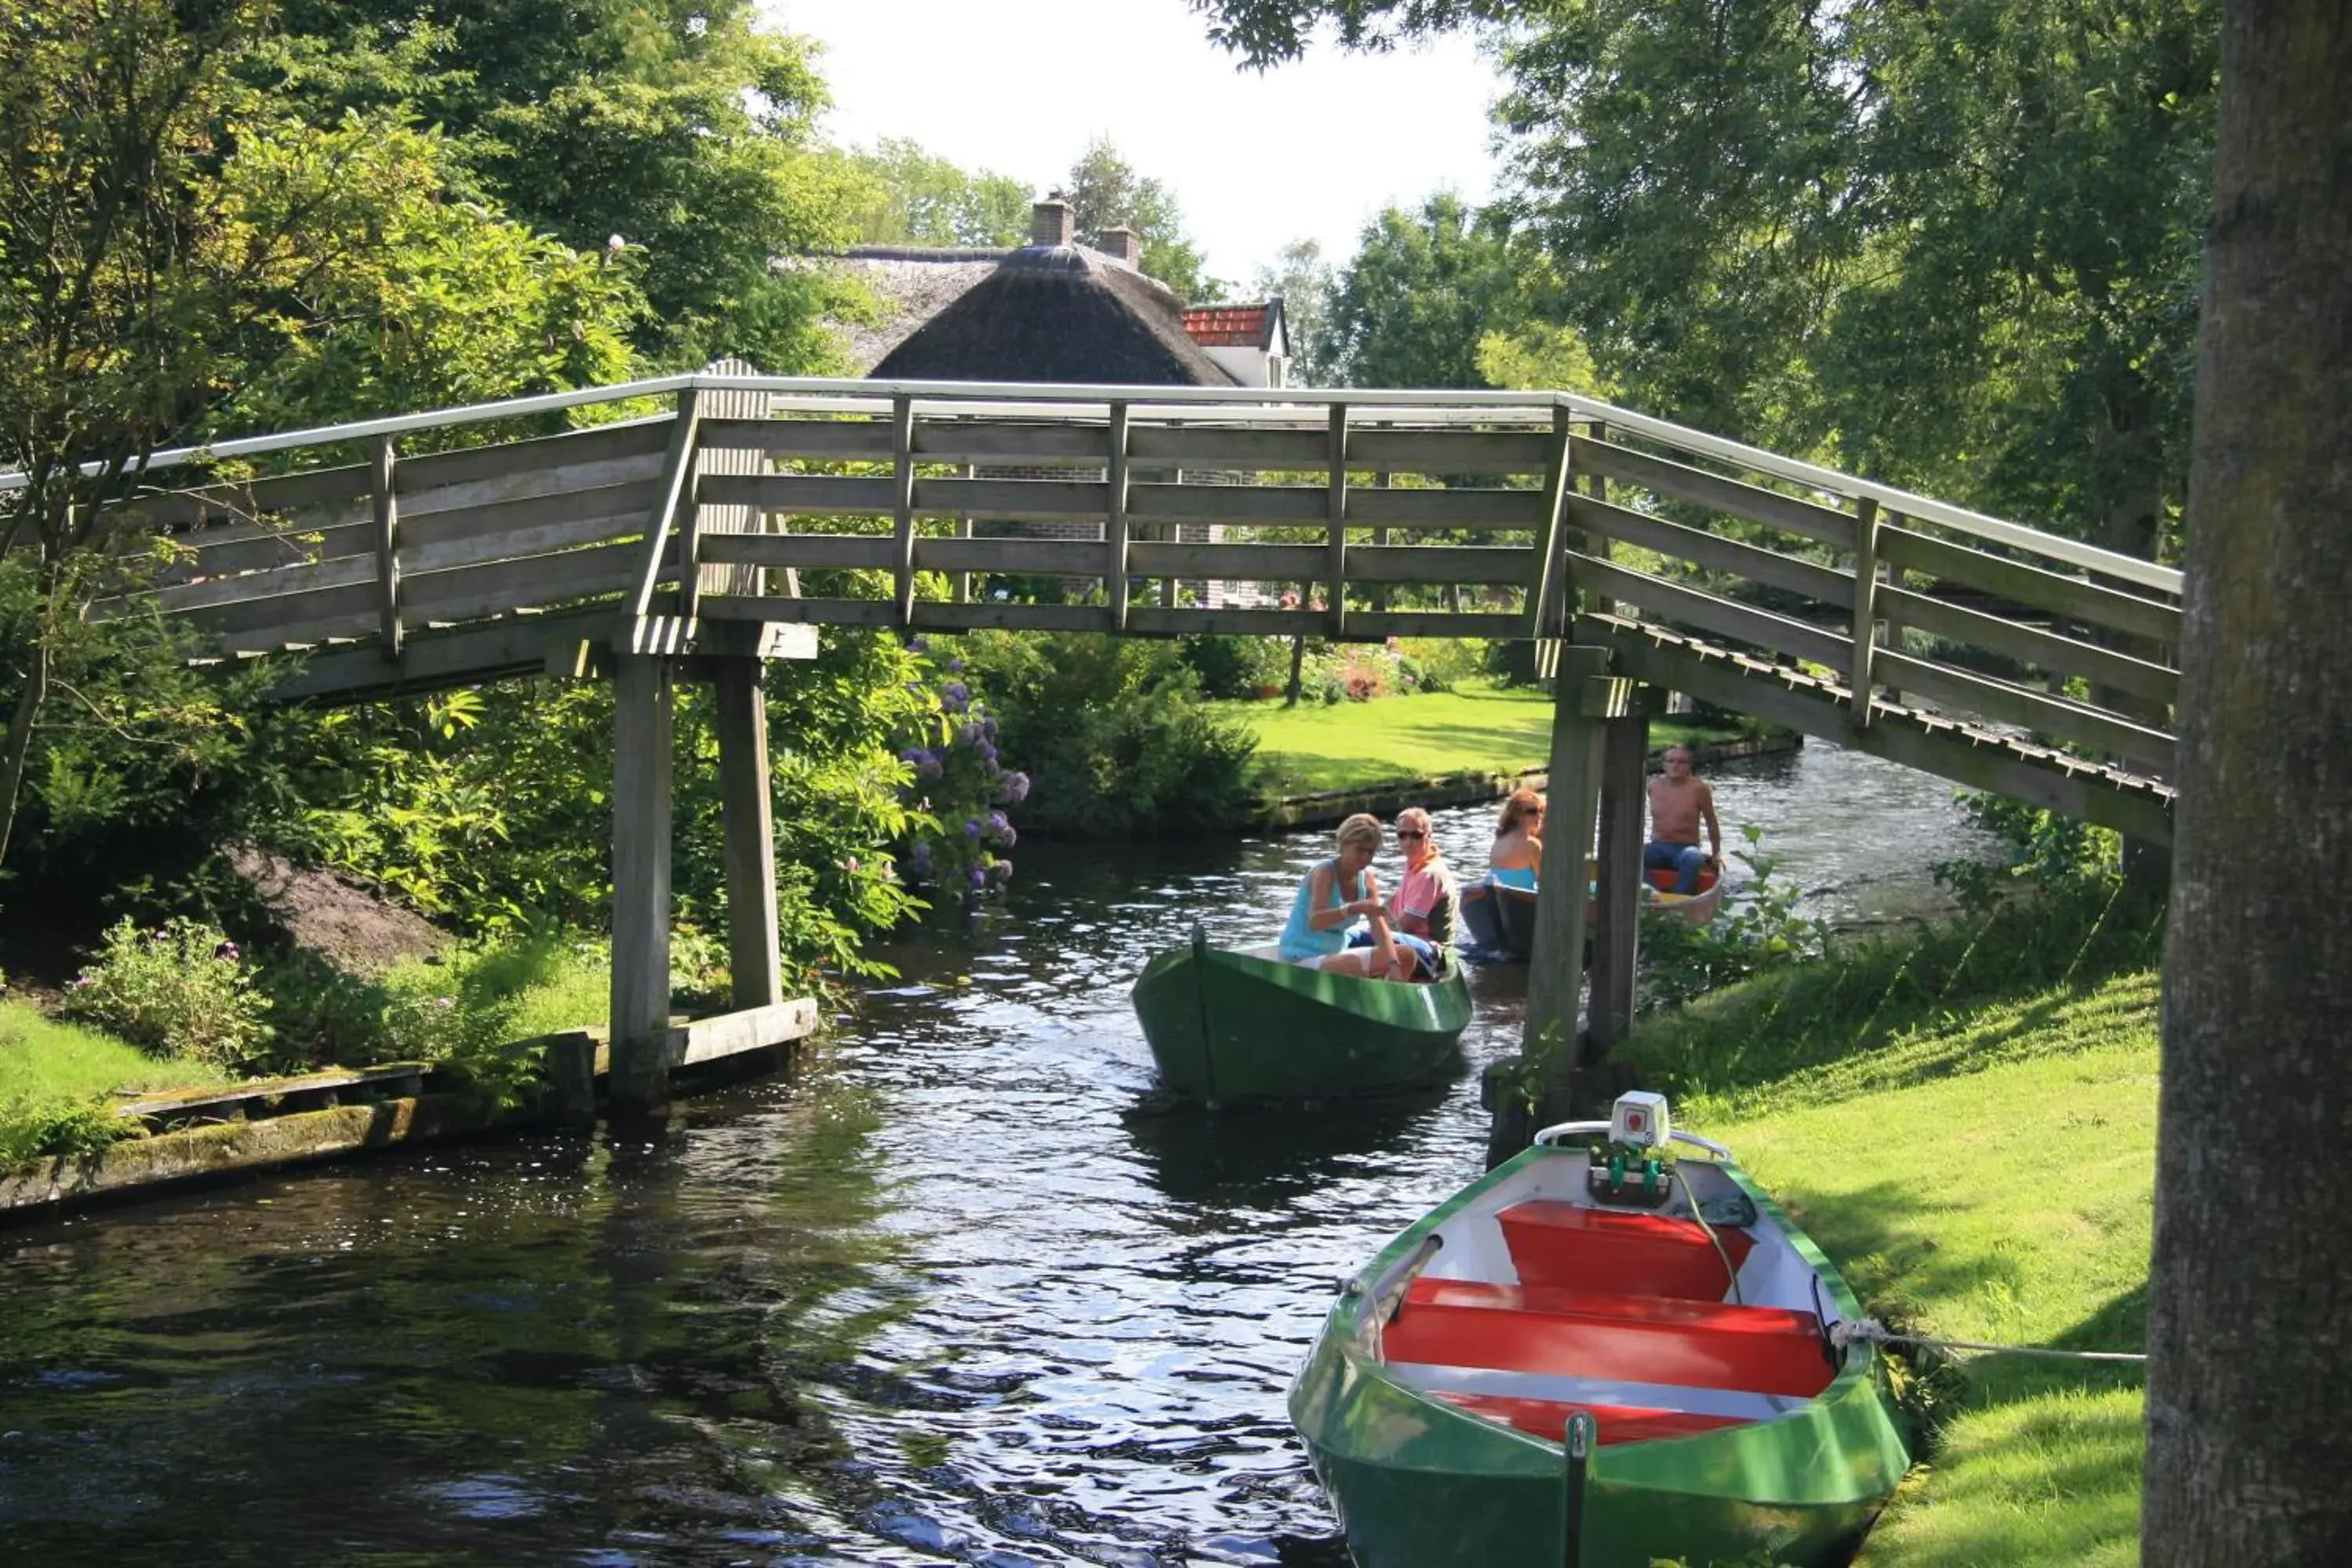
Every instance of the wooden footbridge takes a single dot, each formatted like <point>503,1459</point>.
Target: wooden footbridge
<point>691,527</point>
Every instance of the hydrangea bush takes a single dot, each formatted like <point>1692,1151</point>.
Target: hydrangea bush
<point>957,789</point>
<point>179,990</point>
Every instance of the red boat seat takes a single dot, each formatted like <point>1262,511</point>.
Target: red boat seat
<point>1622,1251</point>
<point>1628,1339</point>
<point>1617,1423</point>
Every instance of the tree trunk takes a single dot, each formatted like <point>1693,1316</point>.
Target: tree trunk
<point>1297,664</point>
<point>2250,1321</point>
<point>19,742</point>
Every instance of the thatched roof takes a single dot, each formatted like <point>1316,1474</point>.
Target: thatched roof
<point>1057,314</point>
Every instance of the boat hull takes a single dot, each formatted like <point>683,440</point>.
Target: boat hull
<point>1419,1483</point>
<point>1227,1026</point>
<point>1501,920</point>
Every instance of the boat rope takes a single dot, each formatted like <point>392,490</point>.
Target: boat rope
<point>1870,1330</point>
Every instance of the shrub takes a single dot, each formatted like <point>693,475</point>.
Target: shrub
<point>1238,666</point>
<point>42,1128</point>
<point>182,989</point>
<point>1756,930</point>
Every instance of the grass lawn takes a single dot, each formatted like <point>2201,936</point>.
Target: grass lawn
<point>41,1059</point>
<point>1354,745</point>
<point>1988,1175</point>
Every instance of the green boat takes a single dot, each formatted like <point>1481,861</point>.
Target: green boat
<point>1571,1362</point>
<point>1230,1024</point>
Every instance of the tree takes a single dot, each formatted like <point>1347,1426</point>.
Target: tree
<point>682,126</point>
<point>1423,288</point>
<point>914,197</point>
<point>174,251</point>
<point>2248,1335</point>
<point>1304,283</point>
<point>1105,191</point>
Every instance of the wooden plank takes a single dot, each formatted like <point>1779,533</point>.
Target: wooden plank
<point>968,441</point>
<point>803,495</point>
<point>293,542</point>
<point>1670,601</point>
<point>740,714</point>
<point>805,552</point>
<point>387,549</point>
<point>1244,562</point>
<point>1374,625</point>
<point>1448,509</point>
<point>339,589</point>
<point>1266,505</point>
<point>1864,622</point>
<point>1973,760</point>
<point>833,439</point>
<point>525,517</point>
<point>676,474</point>
<point>1211,446</point>
<point>427,478</point>
<point>801,611</point>
<point>1547,581</point>
<point>434,659</point>
<point>464,593</point>
<point>935,615</point>
<point>246,500</point>
<point>2014,580</point>
<point>902,501</point>
<point>1507,564</point>
<point>1335,571</point>
<point>712,518</point>
<point>1049,557</point>
<point>1164,622</point>
<point>1825,524</point>
<point>639,1018</point>
<point>1452,451</point>
<point>192,599</point>
<point>1115,520</point>
<point>1026,500</point>
<point>2066,656</point>
<point>756,1028</point>
<point>548,540</point>
<point>1616,941</point>
<point>2012,704</point>
<point>1825,584</point>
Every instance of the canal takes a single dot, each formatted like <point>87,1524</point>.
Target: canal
<point>948,1294</point>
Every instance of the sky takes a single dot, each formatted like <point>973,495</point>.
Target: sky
<point>1309,150</point>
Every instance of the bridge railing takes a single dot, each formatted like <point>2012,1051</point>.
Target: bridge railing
<point>767,499</point>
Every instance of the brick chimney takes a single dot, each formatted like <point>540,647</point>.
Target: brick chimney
<point>1121,244</point>
<point>1049,222</point>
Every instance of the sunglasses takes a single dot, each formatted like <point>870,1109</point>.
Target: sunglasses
<point>1411,833</point>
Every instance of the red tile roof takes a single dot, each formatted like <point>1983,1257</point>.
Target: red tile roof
<point>1227,326</point>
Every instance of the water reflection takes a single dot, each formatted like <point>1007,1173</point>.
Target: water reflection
<point>940,1298</point>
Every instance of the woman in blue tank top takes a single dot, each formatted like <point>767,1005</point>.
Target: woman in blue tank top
<point>1332,896</point>
<point>1518,846</point>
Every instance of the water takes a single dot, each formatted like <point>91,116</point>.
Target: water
<point>948,1295</point>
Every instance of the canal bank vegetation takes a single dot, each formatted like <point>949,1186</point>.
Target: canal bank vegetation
<point>1964,1117</point>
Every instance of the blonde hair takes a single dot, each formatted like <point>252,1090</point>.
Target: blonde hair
<point>1523,803</point>
<point>1361,828</point>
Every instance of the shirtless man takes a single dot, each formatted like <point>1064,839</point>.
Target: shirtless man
<point>1679,802</point>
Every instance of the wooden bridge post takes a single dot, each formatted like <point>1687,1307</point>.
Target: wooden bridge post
<point>641,887</point>
<point>1866,609</point>
<point>1555,963</point>
<point>1624,748</point>
<point>1336,541</point>
<point>752,964</point>
<point>387,548</point>
<point>1115,520</point>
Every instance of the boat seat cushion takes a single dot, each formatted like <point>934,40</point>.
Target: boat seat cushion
<point>1623,1251</point>
<point>1680,1342</point>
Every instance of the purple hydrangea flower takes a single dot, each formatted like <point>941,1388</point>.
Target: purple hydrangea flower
<point>955,663</point>
<point>971,827</point>
<point>955,697</point>
<point>919,644</point>
<point>1012,788</point>
<point>988,725</point>
<point>919,861</point>
<point>987,752</point>
<point>926,767</point>
<point>969,734</point>
<point>978,878</point>
<point>999,829</point>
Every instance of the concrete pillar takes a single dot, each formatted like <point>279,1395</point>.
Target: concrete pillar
<point>743,722</point>
<point>642,694</point>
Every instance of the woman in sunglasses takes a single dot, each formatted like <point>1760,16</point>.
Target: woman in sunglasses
<point>1517,853</point>
<point>1421,911</point>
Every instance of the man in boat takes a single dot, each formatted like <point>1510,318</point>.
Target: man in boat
<point>1333,896</point>
<point>1421,910</point>
<point>1679,802</point>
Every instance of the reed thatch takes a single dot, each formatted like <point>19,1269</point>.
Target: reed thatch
<point>1057,314</point>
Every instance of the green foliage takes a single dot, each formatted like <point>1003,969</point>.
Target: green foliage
<point>1423,290</point>
<point>1306,283</point>
<point>1112,733</point>
<point>913,197</point>
<point>1105,191</point>
<point>180,990</point>
<point>2047,852</point>
<point>478,1009</point>
<point>1238,666</point>
<point>33,1130</point>
<point>1756,930</point>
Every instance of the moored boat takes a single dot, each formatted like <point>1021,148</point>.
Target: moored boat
<point>1500,919</point>
<point>1230,1024</point>
<point>1664,1309</point>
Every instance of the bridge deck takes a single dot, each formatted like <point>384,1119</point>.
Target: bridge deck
<point>392,557</point>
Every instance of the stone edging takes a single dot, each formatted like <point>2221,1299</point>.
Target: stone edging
<point>1467,789</point>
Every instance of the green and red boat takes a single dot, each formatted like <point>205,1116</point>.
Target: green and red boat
<point>1668,1320</point>
<point>1233,1023</point>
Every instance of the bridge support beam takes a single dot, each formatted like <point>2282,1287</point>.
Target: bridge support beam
<point>1556,965</point>
<point>743,716</point>
<point>1624,747</point>
<point>642,709</point>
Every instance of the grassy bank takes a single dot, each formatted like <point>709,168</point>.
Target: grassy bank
<point>1978,1158</point>
<point>1309,750</point>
